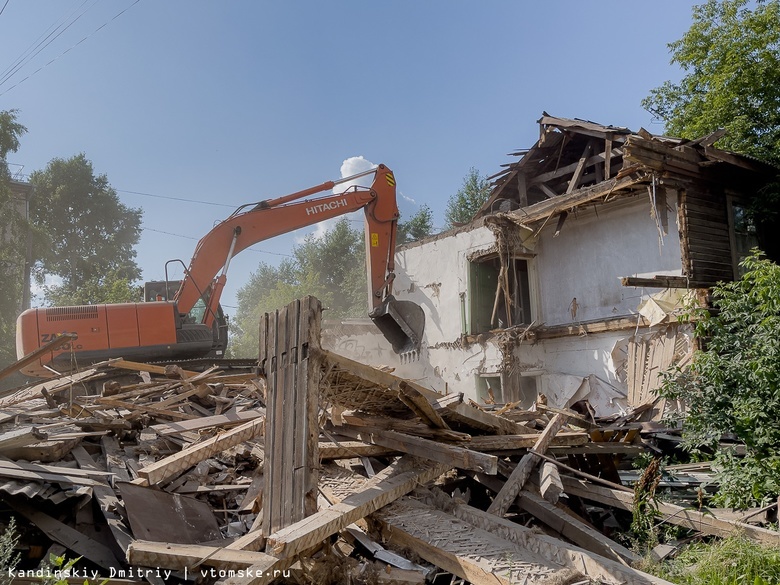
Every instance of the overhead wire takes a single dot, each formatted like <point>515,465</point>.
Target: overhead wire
<point>176,198</point>
<point>4,5</point>
<point>147,229</point>
<point>70,48</point>
<point>35,49</point>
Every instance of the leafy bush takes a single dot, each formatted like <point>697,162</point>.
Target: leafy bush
<point>733,384</point>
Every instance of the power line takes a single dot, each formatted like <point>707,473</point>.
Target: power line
<point>71,48</point>
<point>4,5</point>
<point>34,50</point>
<point>146,229</point>
<point>177,198</point>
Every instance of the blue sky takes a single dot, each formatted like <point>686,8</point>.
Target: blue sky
<point>237,101</point>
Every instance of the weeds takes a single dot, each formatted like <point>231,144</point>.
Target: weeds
<point>731,561</point>
<point>9,558</point>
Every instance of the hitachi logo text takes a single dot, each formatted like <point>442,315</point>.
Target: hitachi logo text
<point>323,206</point>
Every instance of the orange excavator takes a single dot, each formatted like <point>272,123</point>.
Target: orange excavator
<point>191,324</point>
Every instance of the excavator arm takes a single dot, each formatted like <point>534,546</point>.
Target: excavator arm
<point>400,321</point>
<point>162,330</point>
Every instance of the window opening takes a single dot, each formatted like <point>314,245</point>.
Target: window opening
<point>745,235</point>
<point>499,297</point>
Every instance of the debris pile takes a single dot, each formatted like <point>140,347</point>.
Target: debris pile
<point>319,469</point>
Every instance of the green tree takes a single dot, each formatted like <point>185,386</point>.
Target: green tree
<point>12,240</point>
<point>331,267</point>
<point>112,287</point>
<point>731,59</point>
<point>88,234</point>
<point>733,385</point>
<point>462,206</point>
<point>419,226</point>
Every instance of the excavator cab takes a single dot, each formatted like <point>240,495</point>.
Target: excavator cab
<point>401,322</point>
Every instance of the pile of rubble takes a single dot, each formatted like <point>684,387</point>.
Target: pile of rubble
<point>318,469</point>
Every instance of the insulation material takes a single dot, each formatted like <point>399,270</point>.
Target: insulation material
<point>661,307</point>
<point>563,390</point>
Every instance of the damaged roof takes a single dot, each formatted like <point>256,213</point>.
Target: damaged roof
<point>577,162</point>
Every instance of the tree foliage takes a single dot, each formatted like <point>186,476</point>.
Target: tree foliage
<point>464,204</point>
<point>112,287</point>
<point>731,59</point>
<point>87,235</point>
<point>417,227</point>
<point>331,267</point>
<point>12,240</point>
<point>733,385</point>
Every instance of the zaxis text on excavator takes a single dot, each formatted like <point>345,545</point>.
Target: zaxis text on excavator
<point>190,325</point>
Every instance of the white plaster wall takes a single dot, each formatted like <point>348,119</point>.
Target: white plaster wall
<point>593,251</point>
<point>434,275</point>
<point>585,261</point>
<point>444,368</point>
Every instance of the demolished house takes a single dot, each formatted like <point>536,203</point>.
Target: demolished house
<point>332,461</point>
<point>568,282</point>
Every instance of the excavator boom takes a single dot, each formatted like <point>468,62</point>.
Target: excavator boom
<point>189,325</point>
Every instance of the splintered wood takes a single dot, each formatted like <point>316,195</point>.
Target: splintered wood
<point>313,464</point>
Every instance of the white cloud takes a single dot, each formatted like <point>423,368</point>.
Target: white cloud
<point>409,199</point>
<point>351,166</point>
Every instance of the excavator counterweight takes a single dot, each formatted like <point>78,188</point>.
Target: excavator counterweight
<point>191,324</point>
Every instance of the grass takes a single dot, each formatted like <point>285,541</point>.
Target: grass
<point>731,561</point>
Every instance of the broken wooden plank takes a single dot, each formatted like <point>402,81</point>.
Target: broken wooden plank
<point>377,492</point>
<point>524,441</point>
<point>181,557</point>
<point>565,524</point>
<point>385,487</point>
<point>450,455</point>
<point>21,437</point>
<point>57,470</point>
<point>421,406</point>
<point>52,345</point>
<point>347,449</point>
<point>174,464</point>
<point>571,528</point>
<point>686,517</point>
<point>659,282</point>
<point>523,470</point>
<point>463,549</point>
<point>146,408</point>
<point>592,565</point>
<point>225,420</point>
<point>49,477</point>
<point>550,485</point>
<point>453,408</point>
<point>139,367</point>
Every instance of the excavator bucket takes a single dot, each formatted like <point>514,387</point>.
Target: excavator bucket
<point>401,322</point>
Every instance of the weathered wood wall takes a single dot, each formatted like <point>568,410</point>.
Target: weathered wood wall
<point>290,358</point>
<point>704,236</point>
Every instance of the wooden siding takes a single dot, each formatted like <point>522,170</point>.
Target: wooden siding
<point>704,236</point>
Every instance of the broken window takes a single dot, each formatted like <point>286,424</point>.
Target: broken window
<point>744,235</point>
<point>489,388</point>
<point>499,297</point>
<point>503,387</point>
